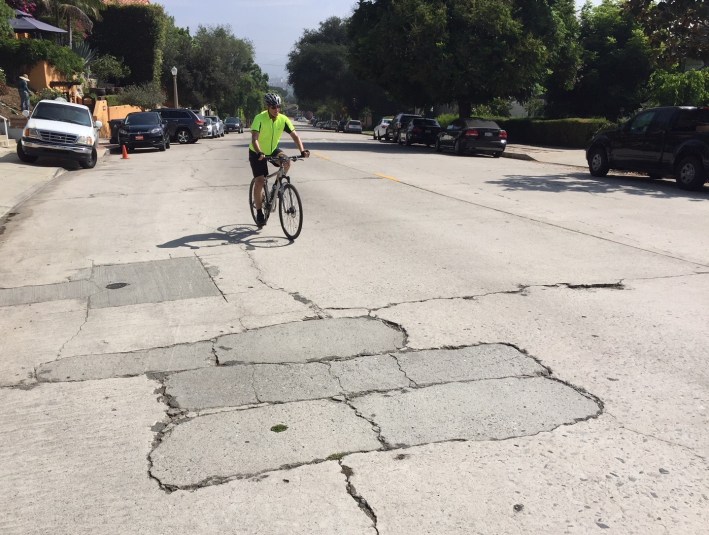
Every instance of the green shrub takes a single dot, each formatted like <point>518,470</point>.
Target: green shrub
<point>145,96</point>
<point>19,55</point>
<point>45,94</point>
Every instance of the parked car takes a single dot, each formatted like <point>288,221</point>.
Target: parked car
<point>380,131</point>
<point>353,127</point>
<point>473,135</point>
<point>183,125</point>
<point>330,125</point>
<point>341,125</point>
<point>667,141</point>
<point>60,129</point>
<point>421,131</point>
<point>233,124</point>
<point>398,125</point>
<point>218,125</point>
<point>209,128</point>
<point>144,129</point>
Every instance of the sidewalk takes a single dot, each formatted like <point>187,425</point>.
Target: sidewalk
<point>19,181</point>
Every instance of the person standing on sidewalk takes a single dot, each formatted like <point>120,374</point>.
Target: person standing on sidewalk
<point>25,92</point>
<point>266,131</point>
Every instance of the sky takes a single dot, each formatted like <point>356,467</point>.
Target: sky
<point>272,26</point>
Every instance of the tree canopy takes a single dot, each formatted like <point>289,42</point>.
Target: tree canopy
<point>467,51</point>
<point>215,68</point>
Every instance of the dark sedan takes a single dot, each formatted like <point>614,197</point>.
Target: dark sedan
<point>473,135</point>
<point>143,129</point>
<point>421,131</point>
<point>233,124</point>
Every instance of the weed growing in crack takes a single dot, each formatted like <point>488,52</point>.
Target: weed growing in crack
<point>279,428</point>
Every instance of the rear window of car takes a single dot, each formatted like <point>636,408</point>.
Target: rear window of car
<point>355,123</point>
<point>480,123</point>
<point>425,122</point>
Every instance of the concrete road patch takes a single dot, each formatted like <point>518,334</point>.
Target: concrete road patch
<point>294,382</point>
<point>151,282</point>
<point>160,359</point>
<point>490,361</point>
<point>241,443</point>
<point>309,341</point>
<point>364,374</point>
<point>224,386</point>
<point>481,410</point>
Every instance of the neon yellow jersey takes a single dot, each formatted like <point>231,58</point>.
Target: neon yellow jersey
<point>270,131</point>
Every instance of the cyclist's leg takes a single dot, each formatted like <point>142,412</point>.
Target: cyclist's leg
<point>286,163</point>
<point>259,169</point>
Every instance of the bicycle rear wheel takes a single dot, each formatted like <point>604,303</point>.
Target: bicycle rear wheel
<point>252,203</point>
<point>290,211</point>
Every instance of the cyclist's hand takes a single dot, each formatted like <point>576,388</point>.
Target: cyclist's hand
<point>304,153</point>
<point>261,156</point>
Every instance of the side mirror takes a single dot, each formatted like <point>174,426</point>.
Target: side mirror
<point>98,125</point>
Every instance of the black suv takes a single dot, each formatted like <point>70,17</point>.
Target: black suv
<point>183,125</point>
<point>398,125</point>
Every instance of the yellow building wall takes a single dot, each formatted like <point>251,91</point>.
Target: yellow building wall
<point>105,113</point>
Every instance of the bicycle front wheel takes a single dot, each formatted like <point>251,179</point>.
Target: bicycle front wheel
<point>252,202</point>
<point>291,212</point>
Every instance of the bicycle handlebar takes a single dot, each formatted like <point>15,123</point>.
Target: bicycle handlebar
<point>276,160</point>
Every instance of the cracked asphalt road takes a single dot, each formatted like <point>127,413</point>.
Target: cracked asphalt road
<point>467,349</point>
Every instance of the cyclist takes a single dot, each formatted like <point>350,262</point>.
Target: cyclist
<point>266,132</point>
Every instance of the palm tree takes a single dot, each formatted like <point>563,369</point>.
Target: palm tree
<point>70,10</point>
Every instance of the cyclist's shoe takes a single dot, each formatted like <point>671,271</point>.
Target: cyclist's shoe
<point>260,219</point>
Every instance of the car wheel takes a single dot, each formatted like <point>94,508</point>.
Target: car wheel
<point>167,143</point>
<point>690,173</point>
<point>91,162</point>
<point>458,147</point>
<point>496,154</point>
<point>23,156</point>
<point>162,147</point>
<point>183,136</point>
<point>438,145</point>
<point>598,161</point>
<point>407,140</point>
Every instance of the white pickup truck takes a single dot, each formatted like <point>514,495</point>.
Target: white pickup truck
<point>60,129</point>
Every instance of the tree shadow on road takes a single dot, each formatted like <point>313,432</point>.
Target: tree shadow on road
<point>248,235</point>
<point>585,183</point>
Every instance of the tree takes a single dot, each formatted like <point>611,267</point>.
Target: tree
<point>677,29</point>
<point>214,67</point>
<point>145,96</point>
<point>321,76</point>
<point>6,13</point>
<point>680,89</point>
<point>69,10</point>
<point>468,51</point>
<point>617,63</point>
<point>109,69</point>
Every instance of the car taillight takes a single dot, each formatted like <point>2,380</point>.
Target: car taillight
<point>200,122</point>
<point>472,133</point>
<point>503,134</point>
<point>417,130</point>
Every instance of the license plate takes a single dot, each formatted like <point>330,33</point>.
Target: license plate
<point>488,134</point>
<point>138,138</point>
<point>427,131</point>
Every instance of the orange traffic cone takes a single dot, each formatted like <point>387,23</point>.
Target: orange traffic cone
<point>125,152</point>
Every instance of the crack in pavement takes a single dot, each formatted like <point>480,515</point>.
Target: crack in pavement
<point>211,278</point>
<point>412,383</point>
<point>358,498</point>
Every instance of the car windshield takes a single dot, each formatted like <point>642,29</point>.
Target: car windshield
<point>213,118</point>
<point>143,118</point>
<point>63,113</point>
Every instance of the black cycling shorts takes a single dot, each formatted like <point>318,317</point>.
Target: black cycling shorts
<point>260,167</point>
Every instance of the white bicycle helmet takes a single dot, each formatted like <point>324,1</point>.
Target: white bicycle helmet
<point>272,99</point>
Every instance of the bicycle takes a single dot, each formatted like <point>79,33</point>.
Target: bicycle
<point>284,195</point>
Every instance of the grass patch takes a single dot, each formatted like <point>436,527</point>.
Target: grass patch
<point>279,428</point>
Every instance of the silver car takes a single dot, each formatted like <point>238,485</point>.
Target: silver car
<point>218,129</point>
<point>380,131</point>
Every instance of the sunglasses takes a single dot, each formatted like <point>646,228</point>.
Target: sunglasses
<point>276,107</point>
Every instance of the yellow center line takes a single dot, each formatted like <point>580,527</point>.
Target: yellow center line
<point>387,177</point>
